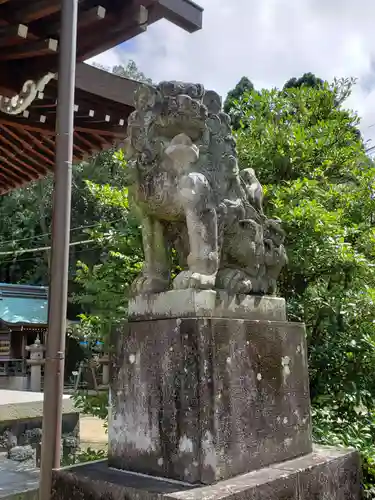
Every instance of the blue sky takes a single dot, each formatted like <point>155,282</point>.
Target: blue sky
<point>267,40</point>
<point>129,46</point>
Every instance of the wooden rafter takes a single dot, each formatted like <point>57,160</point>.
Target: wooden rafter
<point>89,144</point>
<point>21,152</point>
<point>25,125</point>
<point>132,20</point>
<point>29,35</point>
<point>27,146</point>
<point>183,13</point>
<point>79,152</point>
<point>11,162</point>
<point>32,49</point>
<point>27,143</point>
<point>113,88</point>
<point>17,179</point>
<point>13,34</point>
<point>86,18</point>
<point>39,144</point>
<point>101,25</point>
<point>7,183</point>
<point>105,133</point>
<point>99,138</point>
<point>49,140</point>
<point>82,153</point>
<point>34,172</point>
<point>30,11</point>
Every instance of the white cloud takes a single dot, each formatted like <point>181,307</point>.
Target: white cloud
<point>108,59</point>
<point>267,40</point>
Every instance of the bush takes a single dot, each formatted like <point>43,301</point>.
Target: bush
<point>308,152</point>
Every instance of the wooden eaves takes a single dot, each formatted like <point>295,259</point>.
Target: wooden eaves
<point>27,142</point>
<point>30,31</point>
<point>29,42</point>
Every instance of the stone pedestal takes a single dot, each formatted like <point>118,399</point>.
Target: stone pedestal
<point>205,304</point>
<point>325,474</point>
<point>210,400</point>
<point>200,400</point>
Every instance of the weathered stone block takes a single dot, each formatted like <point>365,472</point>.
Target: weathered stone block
<point>325,474</point>
<point>206,304</point>
<point>29,430</point>
<point>201,400</point>
<point>21,453</point>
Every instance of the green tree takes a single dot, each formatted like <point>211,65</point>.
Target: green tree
<point>242,87</point>
<point>307,80</point>
<point>131,71</point>
<point>104,286</point>
<point>308,153</point>
<point>25,224</point>
<point>99,272</point>
<point>26,216</point>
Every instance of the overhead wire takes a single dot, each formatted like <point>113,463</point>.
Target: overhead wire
<point>50,233</point>
<point>11,261</point>
<point>40,249</point>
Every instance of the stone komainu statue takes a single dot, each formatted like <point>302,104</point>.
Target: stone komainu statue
<point>190,195</point>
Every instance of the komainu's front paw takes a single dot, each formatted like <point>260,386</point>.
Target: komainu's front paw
<point>190,279</point>
<point>234,281</point>
<point>146,284</point>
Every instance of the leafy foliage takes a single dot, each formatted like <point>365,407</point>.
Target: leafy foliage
<point>307,80</point>
<point>26,215</point>
<point>311,159</point>
<point>101,270</point>
<point>242,87</point>
<point>317,178</point>
<point>309,155</point>
<point>336,428</point>
<point>129,71</point>
<point>83,456</point>
<point>95,405</point>
<point>25,224</point>
<point>104,286</point>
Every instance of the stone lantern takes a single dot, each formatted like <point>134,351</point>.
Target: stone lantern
<point>36,361</point>
<point>104,361</point>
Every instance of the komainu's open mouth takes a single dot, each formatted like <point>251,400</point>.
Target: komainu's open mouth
<point>182,114</point>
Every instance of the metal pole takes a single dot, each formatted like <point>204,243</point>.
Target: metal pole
<point>54,364</point>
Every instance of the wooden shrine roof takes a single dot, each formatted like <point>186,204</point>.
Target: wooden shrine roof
<point>29,32</point>
<point>29,42</point>
<point>27,141</point>
<point>23,305</point>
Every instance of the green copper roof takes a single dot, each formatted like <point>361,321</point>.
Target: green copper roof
<point>23,304</point>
